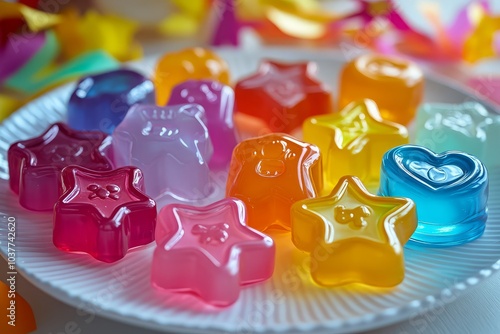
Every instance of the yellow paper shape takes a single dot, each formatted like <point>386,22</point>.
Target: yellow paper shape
<point>35,19</point>
<point>479,44</point>
<point>94,31</point>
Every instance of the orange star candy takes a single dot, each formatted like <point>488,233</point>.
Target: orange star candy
<point>188,64</point>
<point>395,84</point>
<point>353,141</point>
<point>269,174</point>
<point>354,236</point>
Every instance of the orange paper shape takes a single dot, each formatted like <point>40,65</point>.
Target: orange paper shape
<point>354,236</point>
<point>269,174</point>
<point>395,84</point>
<point>188,64</point>
<point>18,316</point>
<point>282,95</point>
<point>353,141</point>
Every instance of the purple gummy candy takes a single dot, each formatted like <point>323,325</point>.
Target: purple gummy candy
<point>218,101</point>
<point>35,164</point>
<point>170,145</point>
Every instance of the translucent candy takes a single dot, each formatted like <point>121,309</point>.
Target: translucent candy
<point>269,174</point>
<point>467,127</point>
<point>282,95</point>
<point>170,145</point>
<point>218,101</point>
<point>35,164</point>
<point>103,213</point>
<point>396,85</point>
<point>188,64</point>
<point>353,142</point>
<point>354,236</point>
<point>100,102</point>
<point>450,190</point>
<point>210,251</point>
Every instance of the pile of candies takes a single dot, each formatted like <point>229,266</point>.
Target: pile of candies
<point>130,140</point>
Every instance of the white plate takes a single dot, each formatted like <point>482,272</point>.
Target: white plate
<point>288,301</point>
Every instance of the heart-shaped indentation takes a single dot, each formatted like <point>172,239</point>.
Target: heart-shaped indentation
<point>270,167</point>
<point>416,163</point>
<point>436,174</point>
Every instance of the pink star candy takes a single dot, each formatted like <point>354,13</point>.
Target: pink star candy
<point>103,213</point>
<point>210,251</point>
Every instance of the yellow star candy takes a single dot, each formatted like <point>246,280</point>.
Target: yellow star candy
<point>353,141</point>
<point>480,43</point>
<point>353,236</point>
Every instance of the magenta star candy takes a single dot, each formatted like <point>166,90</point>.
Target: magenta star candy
<point>170,145</point>
<point>103,213</point>
<point>35,164</point>
<point>218,101</point>
<point>210,251</point>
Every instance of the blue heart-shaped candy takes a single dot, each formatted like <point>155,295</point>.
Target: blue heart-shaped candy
<point>450,190</point>
<point>423,168</point>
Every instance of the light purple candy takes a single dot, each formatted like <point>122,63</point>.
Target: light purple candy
<point>170,145</point>
<point>218,101</point>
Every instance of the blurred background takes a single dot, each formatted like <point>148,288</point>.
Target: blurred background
<point>44,43</point>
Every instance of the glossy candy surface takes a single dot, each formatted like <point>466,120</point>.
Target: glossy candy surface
<point>100,102</point>
<point>353,141</point>
<point>467,127</point>
<point>103,213</point>
<point>170,145</point>
<point>354,236</point>
<point>282,95</point>
<point>35,164</point>
<point>218,101</point>
<point>210,251</point>
<point>188,64</point>
<point>450,190</point>
<point>269,174</point>
<point>396,85</point>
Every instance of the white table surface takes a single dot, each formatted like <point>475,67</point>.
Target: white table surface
<point>477,311</point>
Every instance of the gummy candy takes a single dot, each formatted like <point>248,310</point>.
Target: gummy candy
<point>282,95</point>
<point>353,141</point>
<point>103,213</point>
<point>188,64</point>
<point>170,145</point>
<point>269,174</point>
<point>467,127</point>
<point>218,101</point>
<point>35,164</point>
<point>210,251</point>
<point>450,190</point>
<point>100,102</point>
<point>396,85</point>
<point>354,236</point>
